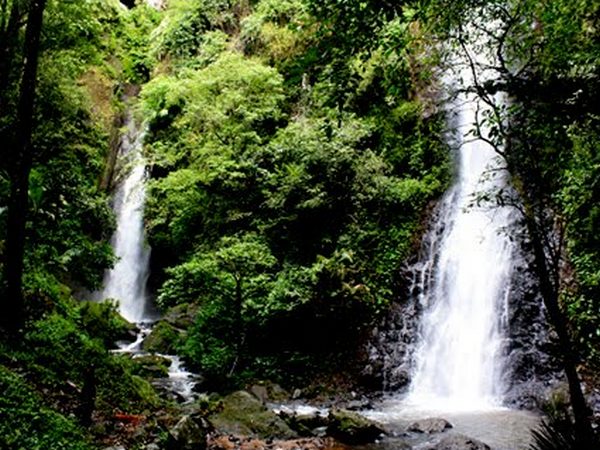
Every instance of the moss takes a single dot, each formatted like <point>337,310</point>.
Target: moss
<point>99,88</point>
<point>151,366</point>
<point>243,414</point>
<point>145,391</point>
<point>352,428</point>
<point>102,320</point>
<point>162,339</point>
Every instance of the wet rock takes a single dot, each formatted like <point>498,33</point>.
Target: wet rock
<point>459,442</point>
<point>152,366</point>
<point>245,415</point>
<point>307,421</point>
<point>390,350</point>
<point>359,404</point>
<point>431,425</point>
<point>188,434</point>
<point>350,427</point>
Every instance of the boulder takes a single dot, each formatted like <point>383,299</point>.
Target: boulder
<point>352,428</point>
<point>267,391</point>
<point>243,414</point>
<point>152,366</point>
<point>459,442</point>
<point>188,434</point>
<point>306,421</point>
<point>162,339</point>
<point>431,425</point>
<point>181,316</point>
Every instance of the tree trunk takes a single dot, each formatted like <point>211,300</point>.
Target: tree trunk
<point>9,37</point>
<point>20,167</point>
<point>241,334</point>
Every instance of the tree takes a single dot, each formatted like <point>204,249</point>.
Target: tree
<point>20,166</point>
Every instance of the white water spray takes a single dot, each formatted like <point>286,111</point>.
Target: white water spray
<point>126,282</point>
<point>464,281</point>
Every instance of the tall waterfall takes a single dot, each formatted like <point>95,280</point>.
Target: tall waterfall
<point>126,282</point>
<point>464,280</point>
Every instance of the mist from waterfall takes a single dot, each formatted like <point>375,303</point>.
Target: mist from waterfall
<point>463,281</point>
<point>126,282</point>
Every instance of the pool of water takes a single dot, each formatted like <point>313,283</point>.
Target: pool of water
<point>500,428</point>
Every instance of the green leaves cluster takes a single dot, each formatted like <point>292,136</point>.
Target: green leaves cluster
<point>274,207</point>
<point>29,424</point>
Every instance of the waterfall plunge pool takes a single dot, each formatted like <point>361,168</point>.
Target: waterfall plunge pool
<point>500,428</point>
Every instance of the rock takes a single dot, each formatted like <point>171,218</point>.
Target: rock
<point>431,425</point>
<point>297,394</point>
<point>243,414</point>
<point>181,316</point>
<point>152,446</point>
<point>234,443</point>
<point>306,421</point>
<point>188,434</point>
<point>120,447</point>
<point>267,391</point>
<point>359,404</point>
<point>459,442</point>
<point>350,427</point>
<point>260,392</point>
<point>152,366</point>
<point>102,320</point>
<point>162,339</point>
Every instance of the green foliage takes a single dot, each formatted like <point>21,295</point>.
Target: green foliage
<point>180,34</point>
<point>61,350</point>
<point>27,423</point>
<point>274,207</point>
<point>580,189</point>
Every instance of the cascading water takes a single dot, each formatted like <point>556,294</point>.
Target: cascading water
<point>126,282</point>
<point>464,284</point>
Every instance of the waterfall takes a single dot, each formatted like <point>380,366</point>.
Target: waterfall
<point>463,282</point>
<point>126,282</point>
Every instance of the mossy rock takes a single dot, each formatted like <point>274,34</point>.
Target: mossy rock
<point>152,366</point>
<point>162,339</point>
<point>352,428</point>
<point>181,316</point>
<point>243,414</point>
<point>145,391</point>
<point>267,391</point>
<point>102,320</point>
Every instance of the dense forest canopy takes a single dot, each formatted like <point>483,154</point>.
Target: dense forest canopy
<point>296,149</point>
